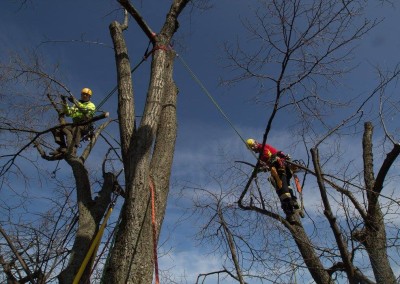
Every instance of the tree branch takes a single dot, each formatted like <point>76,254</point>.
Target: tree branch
<point>138,18</point>
<point>386,165</point>
<point>14,250</point>
<point>332,219</point>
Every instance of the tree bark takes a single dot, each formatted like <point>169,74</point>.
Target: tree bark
<point>134,242</point>
<point>231,245</point>
<point>373,236</point>
<point>304,244</point>
<point>306,248</point>
<point>131,259</point>
<point>341,244</point>
<point>90,215</point>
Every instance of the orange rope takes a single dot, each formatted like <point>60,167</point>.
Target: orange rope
<point>153,222</point>
<point>298,185</point>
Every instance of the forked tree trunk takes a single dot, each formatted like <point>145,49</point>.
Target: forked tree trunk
<point>89,219</point>
<point>148,155</point>
<point>373,235</point>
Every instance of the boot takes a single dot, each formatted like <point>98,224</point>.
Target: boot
<point>287,206</point>
<point>293,200</point>
<point>294,203</point>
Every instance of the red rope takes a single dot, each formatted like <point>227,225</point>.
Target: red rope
<point>153,223</point>
<point>157,47</point>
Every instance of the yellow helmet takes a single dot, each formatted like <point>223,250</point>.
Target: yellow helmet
<point>86,91</point>
<point>250,143</point>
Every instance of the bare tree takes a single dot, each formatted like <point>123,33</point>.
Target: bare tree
<point>146,155</point>
<point>300,51</point>
<point>36,244</point>
<point>21,124</point>
<point>147,151</point>
<point>343,242</point>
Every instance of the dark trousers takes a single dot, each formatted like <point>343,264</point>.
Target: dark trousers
<point>70,135</point>
<point>281,176</point>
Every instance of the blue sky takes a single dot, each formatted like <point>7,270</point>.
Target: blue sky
<point>203,132</point>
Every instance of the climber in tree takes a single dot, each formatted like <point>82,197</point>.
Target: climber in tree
<point>275,162</point>
<point>80,111</point>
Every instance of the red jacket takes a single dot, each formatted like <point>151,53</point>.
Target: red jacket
<point>267,153</point>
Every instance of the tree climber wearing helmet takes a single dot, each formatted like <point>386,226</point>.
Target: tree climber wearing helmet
<point>80,111</point>
<point>281,174</point>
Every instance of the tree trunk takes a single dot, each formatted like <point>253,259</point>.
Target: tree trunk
<point>340,240</point>
<point>132,260</point>
<point>306,248</point>
<point>304,244</point>
<point>375,244</point>
<point>90,216</point>
<point>373,236</point>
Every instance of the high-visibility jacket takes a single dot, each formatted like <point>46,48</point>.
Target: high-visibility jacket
<point>80,111</point>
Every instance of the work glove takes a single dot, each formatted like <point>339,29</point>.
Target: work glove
<point>263,167</point>
<point>280,154</point>
<point>283,155</point>
<point>71,99</point>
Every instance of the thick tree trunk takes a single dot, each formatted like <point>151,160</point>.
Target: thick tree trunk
<point>90,216</point>
<point>164,148</point>
<point>304,244</point>
<point>373,236</point>
<point>375,244</point>
<point>306,248</point>
<point>132,260</point>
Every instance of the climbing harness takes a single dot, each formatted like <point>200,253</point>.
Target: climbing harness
<point>275,181</point>
<point>88,135</point>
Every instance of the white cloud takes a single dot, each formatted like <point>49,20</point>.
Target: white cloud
<point>185,266</point>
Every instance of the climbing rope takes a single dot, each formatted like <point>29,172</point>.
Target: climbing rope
<point>254,174</point>
<point>114,235</point>
<point>110,237</point>
<point>197,80</point>
<point>144,58</point>
<point>154,225</point>
<point>96,242</point>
